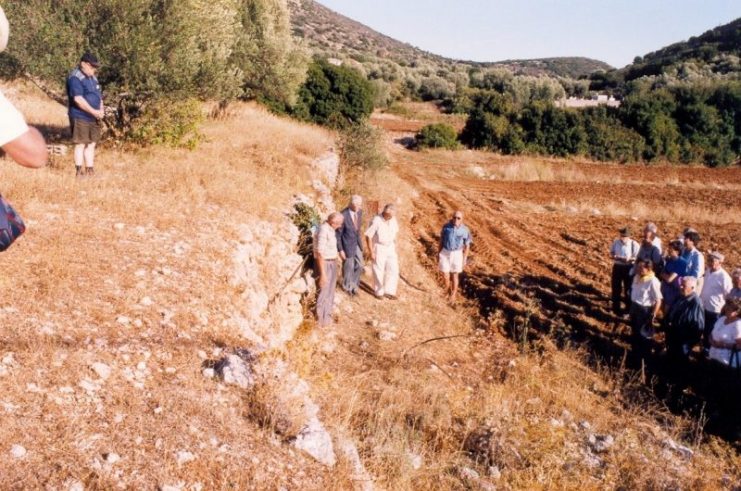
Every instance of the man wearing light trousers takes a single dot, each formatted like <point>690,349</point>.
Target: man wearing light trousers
<point>381,241</point>
<point>325,258</point>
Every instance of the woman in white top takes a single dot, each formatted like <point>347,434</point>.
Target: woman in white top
<point>726,334</point>
<point>645,296</point>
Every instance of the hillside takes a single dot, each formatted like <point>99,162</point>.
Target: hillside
<point>713,55</point>
<point>717,50</point>
<point>334,35</point>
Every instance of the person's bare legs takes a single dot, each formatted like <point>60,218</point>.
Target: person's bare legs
<point>446,280</point>
<point>454,290</point>
<point>89,153</point>
<point>79,157</point>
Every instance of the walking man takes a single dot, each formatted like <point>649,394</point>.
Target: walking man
<point>381,241</point>
<point>455,243</point>
<point>623,252</point>
<point>350,244</point>
<point>85,112</point>
<point>325,258</point>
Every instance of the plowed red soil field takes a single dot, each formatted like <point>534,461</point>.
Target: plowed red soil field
<point>542,230</point>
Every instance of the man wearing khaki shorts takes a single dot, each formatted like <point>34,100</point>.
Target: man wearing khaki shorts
<point>455,242</point>
<point>85,112</point>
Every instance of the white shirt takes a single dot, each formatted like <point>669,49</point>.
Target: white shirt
<point>12,124</point>
<point>646,293</point>
<point>715,287</point>
<point>724,333</point>
<point>657,243</point>
<point>628,250</point>
<point>383,231</point>
<point>325,242</point>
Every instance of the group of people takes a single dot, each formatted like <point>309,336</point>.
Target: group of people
<point>693,303</point>
<point>342,245</point>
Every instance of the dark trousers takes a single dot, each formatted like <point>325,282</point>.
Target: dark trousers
<point>641,321</point>
<point>621,282</point>
<point>710,319</point>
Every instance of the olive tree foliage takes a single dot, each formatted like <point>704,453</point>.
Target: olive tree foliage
<point>158,50</point>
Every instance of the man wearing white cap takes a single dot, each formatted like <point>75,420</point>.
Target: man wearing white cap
<point>715,287</point>
<point>22,143</point>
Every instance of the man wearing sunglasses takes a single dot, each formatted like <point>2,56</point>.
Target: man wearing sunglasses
<point>455,242</point>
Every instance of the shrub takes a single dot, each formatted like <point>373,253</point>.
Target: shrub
<point>155,52</point>
<point>335,96</point>
<point>361,148</point>
<point>169,122</point>
<point>439,135</point>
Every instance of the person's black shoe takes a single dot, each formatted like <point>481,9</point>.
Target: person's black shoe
<point>78,171</point>
<point>392,297</point>
<point>89,171</point>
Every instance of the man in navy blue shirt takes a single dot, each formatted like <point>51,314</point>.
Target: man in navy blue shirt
<point>85,111</point>
<point>455,242</point>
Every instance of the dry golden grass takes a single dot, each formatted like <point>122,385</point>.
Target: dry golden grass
<point>159,224</point>
<point>162,224</point>
<point>399,401</point>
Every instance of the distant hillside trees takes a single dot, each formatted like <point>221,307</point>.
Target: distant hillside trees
<point>683,123</point>
<point>335,96</point>
<point>159,52</point>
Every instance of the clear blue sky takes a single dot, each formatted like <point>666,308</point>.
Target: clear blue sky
<point>493,30</point>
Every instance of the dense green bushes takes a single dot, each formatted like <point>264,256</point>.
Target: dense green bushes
<point>437,135</point>
<point>683,123</point>
<point>336,96</point>
<point>155,50</point>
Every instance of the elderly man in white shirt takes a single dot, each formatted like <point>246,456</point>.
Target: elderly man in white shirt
<point>325,257</point>
<point>715,287</point>
<point>381,241</point>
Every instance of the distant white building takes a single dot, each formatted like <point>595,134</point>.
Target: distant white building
<point>595,100</point>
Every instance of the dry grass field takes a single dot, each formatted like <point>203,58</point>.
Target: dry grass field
<point>132,268</point>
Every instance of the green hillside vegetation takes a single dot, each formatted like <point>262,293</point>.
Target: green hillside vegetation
<point>401,71</point>
<point>159,57</point>
<point>714,55</point>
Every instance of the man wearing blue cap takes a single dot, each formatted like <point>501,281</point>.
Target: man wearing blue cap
<point>85,112</point>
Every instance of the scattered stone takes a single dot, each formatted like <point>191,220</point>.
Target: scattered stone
<point>111,458</point>
<point>208,372</point>
<point>584,425</point>
<point>467,474</point>
<point>600,443</point>
<point>183,457</point>
<point>685,452</point>
<point>8,359</point>
<point>123,320</point>
<point>387,336</point>
<point>494,472</point>
<point>146,301</point>
<point>141,366</point>
<point>556,423</point>
<point>415,460</point>
<point>76,486</point>
<point>234,370</point>
<point>119,226</point>
<point>158,410</point>
<point>170,487</point>
<point>88,385</point>
<point>101,370</point>
<point>315,441</point>
<point>18,451</point>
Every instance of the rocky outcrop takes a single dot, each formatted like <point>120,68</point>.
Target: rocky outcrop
<point>268,274</point>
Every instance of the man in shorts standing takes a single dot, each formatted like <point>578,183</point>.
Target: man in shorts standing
<point>455,242</point>
<point>85,112</point>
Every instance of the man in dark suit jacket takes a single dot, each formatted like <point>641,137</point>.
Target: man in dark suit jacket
<point>350,245</point>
